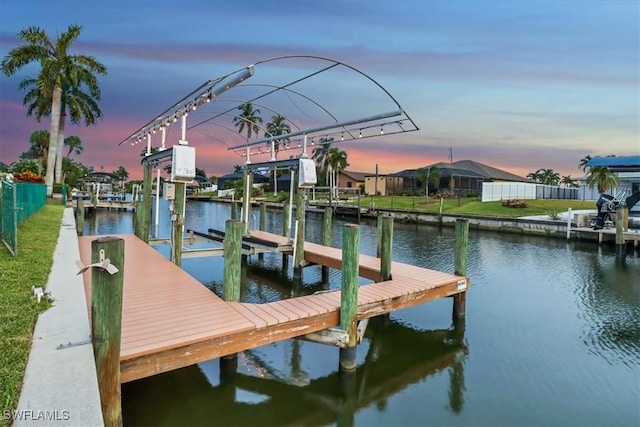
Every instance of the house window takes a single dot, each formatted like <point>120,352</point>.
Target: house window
<point>349,184</point>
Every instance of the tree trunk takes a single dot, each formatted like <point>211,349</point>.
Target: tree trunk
<point>53,136</point>
<point>58,176</point>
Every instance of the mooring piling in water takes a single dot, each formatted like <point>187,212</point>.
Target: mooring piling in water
<point>262,225</point>
<point>386,243</point>
<point>621,247</point>
<point>326,239</point>
<point>178,223</point>
<point>80,216</point>
<point>232,259</point>
<point>462,237</point>
<point>235,214</point>
<point>106,323</point>
<point>349,294</point>
<point>286,218</point>
<point>298,260</point>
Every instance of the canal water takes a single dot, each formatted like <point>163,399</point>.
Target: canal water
<point>551,337</point>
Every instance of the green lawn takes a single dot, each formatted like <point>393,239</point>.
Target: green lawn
<point>37,238</point>
<point>469,206</point>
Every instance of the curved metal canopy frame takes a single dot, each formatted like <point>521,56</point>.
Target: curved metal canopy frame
<point>330,123</point>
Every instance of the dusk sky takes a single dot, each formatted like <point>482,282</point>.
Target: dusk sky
<point>518,85</point>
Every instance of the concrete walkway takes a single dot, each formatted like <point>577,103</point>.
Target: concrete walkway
<point>60,385</point>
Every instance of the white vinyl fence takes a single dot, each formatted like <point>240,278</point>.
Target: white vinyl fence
<point>507,191</point>
<point>521,190</point>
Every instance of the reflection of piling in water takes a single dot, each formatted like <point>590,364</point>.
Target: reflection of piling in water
<point>462,237</point>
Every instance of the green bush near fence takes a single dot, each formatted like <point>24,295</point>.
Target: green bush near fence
<point>18,307</point>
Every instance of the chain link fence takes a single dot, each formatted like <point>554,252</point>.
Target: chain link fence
<point>18,201</point>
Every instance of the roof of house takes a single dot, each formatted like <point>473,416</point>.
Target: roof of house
<point>466,168</point>
<point>356,176</point>
<point>617,163</point>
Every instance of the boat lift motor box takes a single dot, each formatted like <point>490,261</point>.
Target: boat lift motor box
<point>183,163</point>
<point>307,173</point>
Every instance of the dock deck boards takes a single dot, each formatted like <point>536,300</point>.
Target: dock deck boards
<point>170,320</point>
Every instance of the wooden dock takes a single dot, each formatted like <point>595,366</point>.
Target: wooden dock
<point>170,320</point>
<point>607,234</point>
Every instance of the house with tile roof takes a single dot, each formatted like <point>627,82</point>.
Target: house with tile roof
<point>462,177</point>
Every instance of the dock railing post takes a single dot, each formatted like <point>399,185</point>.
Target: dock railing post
<point>80,216</point>
<point>386,244</point>
<point>569,217</point>
<point>462,237</point>
<point>621,247</point>
<point>326,239</point>
<point>349,294</point>
<point>106,324</point>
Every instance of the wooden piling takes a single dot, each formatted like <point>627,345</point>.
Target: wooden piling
<point>286,217</point>
<point>262,225</point>
<point>386,243</point>
<point>246,199</point>
<point>349,294</point>
<point>178,224</point>
<point>326,239</point>
<point>234,229</point>
<point>462,237</point>
<point>379,230</point>
<point>299,243</point>
<point>80,216</point>
<point>145,215</point>
<point>263,216</point>
<point>106,324</point>
<point>235,214</point>
<point>621,247</point>
<point>232,259</point>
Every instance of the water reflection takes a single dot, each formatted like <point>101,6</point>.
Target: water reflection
<point>307,392</point>
<point>554,327</point>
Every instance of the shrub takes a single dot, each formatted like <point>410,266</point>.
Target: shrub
<point>28,177</point>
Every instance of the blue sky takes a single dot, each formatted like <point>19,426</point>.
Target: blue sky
<point>518,85</point>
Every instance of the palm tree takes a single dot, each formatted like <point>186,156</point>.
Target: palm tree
<point>568,181</point>
<point>428,176</point>
<point>601,177</point>
<point>73,97</point>
<point>74,144</point>
<point>549,177</point>
<point>277,127</point>
<point>583,163</point>
<point>39,141</point>
<point>248,119</point>
<point>56,65</point>
<point>337,162</point>
<point>321,156</point>
<point>536,176</point>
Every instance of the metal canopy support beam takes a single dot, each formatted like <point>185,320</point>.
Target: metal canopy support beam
<point>322,128</point>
